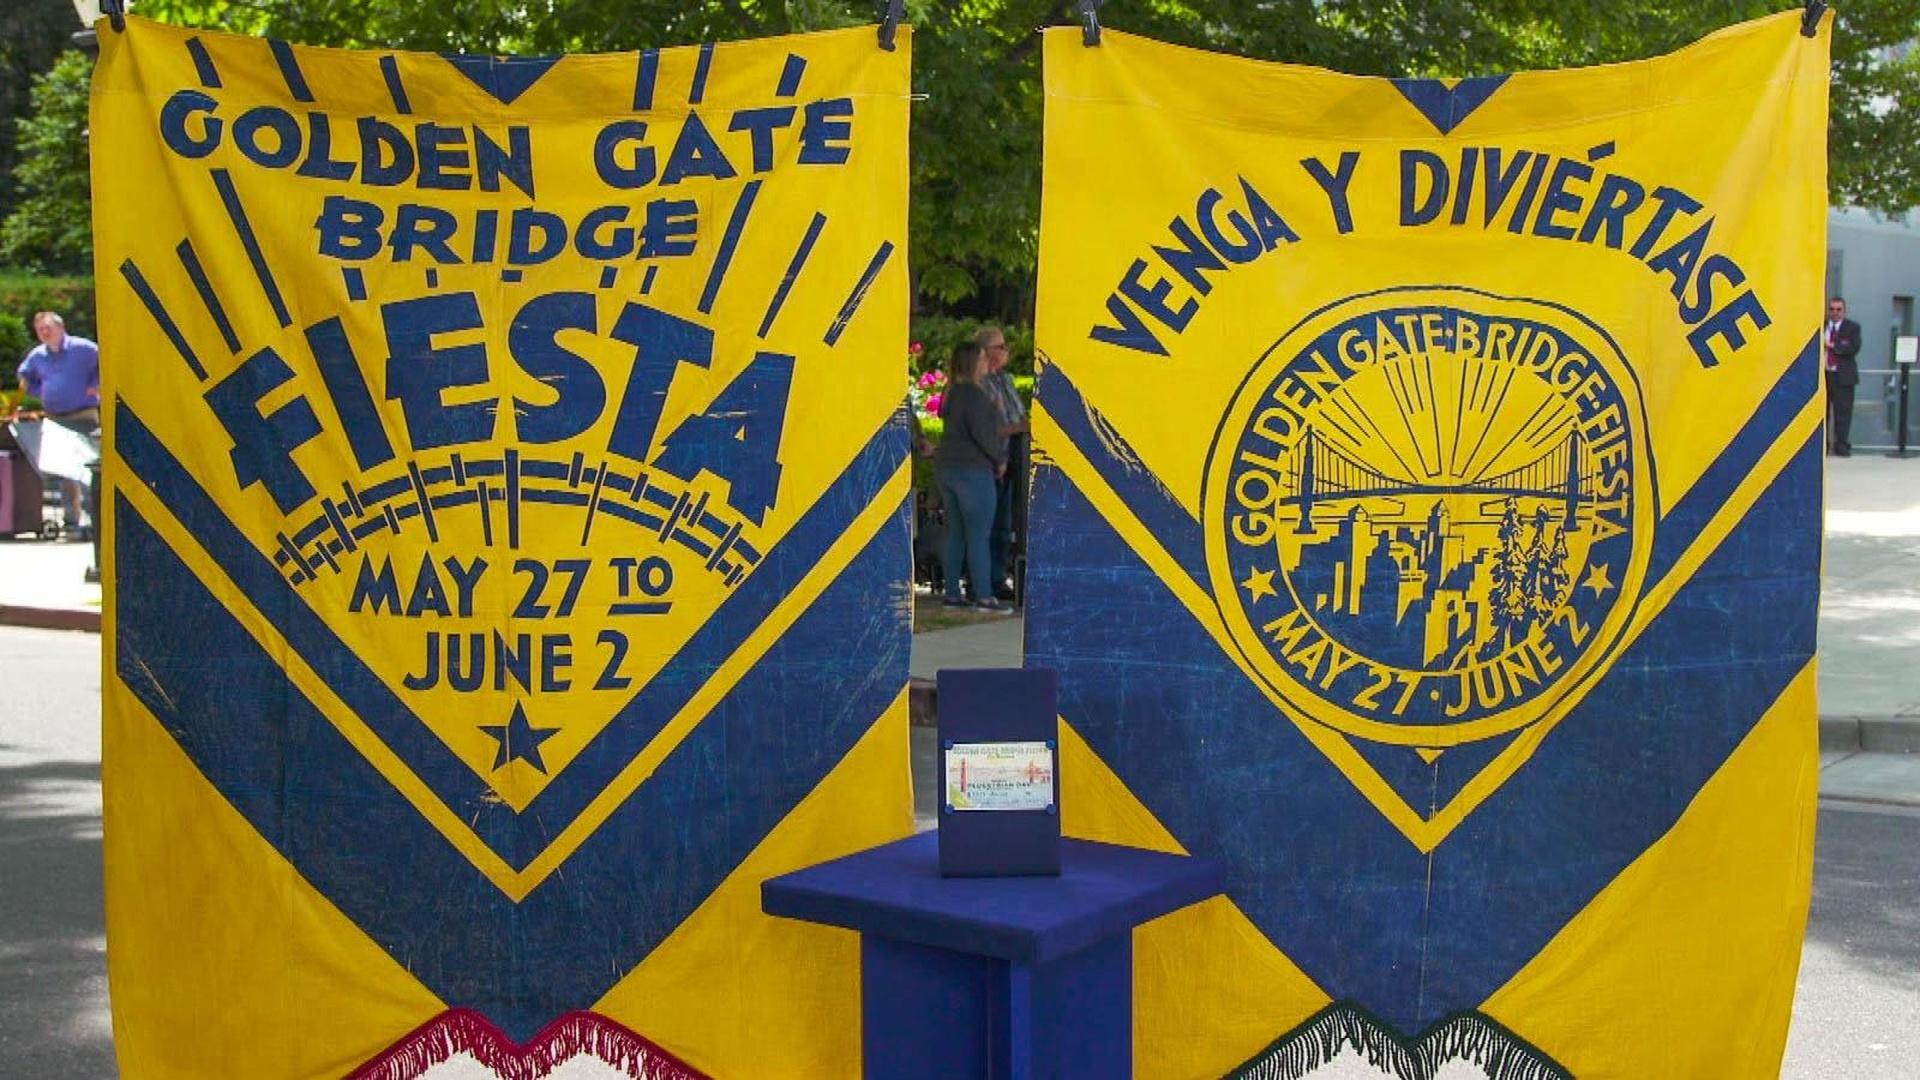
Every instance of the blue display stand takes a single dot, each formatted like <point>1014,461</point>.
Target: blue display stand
<point>1019,977</point>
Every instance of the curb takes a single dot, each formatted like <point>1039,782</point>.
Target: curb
<point>922,700</point>
<point>1867,803</point>
<point>1870,734</point>
<point>50,618</point>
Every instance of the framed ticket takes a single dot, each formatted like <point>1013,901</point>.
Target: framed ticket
<point>1000,776</point>
<point>1000,772</point>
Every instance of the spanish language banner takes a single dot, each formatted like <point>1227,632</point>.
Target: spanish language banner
<point>1427,525</point>
<point>505,553</point>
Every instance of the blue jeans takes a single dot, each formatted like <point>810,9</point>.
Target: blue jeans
<point>969,497</point>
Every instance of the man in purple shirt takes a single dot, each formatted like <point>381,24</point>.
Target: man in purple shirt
<point>63,371</point>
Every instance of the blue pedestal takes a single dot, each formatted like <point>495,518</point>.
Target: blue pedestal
<point>1022,977</point>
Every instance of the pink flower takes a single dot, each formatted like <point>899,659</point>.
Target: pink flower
<point>933,404</point>
<point>915,349</point>
<point>930,380</point>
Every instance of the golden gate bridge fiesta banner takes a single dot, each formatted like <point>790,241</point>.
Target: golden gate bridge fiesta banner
<point>1426,524</point>
<point>505,548</point>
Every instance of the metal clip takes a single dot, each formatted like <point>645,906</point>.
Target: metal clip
<point>891,12</point>
<point>1090,22</point>
<point>1810,19</point>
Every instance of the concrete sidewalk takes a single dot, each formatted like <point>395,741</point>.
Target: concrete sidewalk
<point>1870,632</point>
<point>987,644</point>
<point>43,583</point>
<point>1870,606</point>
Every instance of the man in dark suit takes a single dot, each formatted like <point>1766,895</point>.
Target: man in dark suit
<point>1840,344</point>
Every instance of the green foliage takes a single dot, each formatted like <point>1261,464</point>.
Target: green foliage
<point>1873,136</point>
<point>32,35</point>
<point>976,151</point>
<point>938,334</point>
<point>50,226</point>
<point>931,428</point>
<point>16,338</point>
<point>23,295</point>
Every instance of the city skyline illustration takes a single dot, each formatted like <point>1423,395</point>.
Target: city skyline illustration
<point>1430,523</point>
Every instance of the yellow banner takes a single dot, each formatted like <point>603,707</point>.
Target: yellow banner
<point>505,521</point>
<point>1444,459</point>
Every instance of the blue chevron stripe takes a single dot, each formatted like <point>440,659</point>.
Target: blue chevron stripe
<point>504,78</point>
<point>1124,474</point>
<point>515,837</point>
<point>1796,386</point>
<point>1446,107</point>
<point>304,788</point>
<point>1366,915</point>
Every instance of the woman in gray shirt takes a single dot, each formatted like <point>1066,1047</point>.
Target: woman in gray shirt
<point>971,456</point>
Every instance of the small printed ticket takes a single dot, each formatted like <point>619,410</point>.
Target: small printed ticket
<point>1000,776</point>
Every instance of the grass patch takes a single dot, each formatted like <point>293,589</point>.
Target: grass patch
<point>929,614</point>
<point>14,278</point>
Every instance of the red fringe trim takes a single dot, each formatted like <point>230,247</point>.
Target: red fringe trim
<point>577,1033</point>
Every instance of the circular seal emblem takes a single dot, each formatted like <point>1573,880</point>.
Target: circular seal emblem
<point>1428,512</point>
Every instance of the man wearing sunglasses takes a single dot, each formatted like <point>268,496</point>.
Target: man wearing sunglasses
<point>1840,343</point>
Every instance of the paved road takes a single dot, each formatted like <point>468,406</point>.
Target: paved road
<point>1858,1016</point>
<point>53,972</point>
<point>1857,1013</point>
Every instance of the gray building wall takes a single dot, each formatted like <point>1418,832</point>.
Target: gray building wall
<point>1875,263</point>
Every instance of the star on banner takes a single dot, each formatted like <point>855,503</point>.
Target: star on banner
<point>1597,580</point>
<point>1259,585</point>
<point>519,740</point>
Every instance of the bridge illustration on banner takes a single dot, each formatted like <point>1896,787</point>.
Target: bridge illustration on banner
<point>1429,573</point>
<point>1321,472</point>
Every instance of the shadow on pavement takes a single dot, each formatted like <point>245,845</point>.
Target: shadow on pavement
<point>1863,895</point>
<point>53,1015</point>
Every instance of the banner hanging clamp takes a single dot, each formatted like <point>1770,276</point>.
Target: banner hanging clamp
<point>1090,22</point>
<point>1810,19</point>
<point>116,13</point>
<point>891,12</point>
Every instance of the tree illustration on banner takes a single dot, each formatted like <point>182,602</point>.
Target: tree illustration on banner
<point>1552,578</point>
<point>1509,593</point>
<point>1539,596</point>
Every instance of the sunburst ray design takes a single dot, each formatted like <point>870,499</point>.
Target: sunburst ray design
<point>1439,420</point>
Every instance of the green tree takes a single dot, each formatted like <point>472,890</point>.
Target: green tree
<point>50,227</point>
<point>32,35</point>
